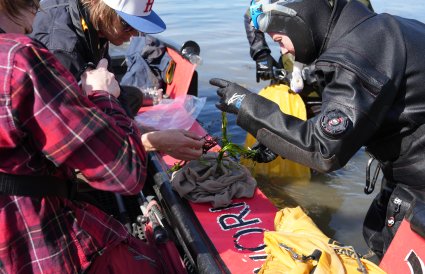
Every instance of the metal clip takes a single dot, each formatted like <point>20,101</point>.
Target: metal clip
<point>291,251</point>
<point>370,184</point>
<point>294,255</point>
<point>280,74</point>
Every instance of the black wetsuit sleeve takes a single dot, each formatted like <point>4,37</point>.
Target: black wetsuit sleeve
<point>352,110</point>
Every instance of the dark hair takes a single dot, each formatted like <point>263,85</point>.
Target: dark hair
<point>13,8</point>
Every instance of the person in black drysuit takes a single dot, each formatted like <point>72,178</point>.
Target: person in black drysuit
<point>259,49</point>
<point>370,70</point>
<point>265,64</point>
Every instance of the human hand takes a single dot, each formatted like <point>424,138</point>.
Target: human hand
<point>231,95</point>
<point>263,154</point>
<point>178,143</point>
<point>100,79</point>
<point>264,67</point>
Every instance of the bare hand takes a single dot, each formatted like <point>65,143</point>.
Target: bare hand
<point>178,143</point>
<point>100,79</point>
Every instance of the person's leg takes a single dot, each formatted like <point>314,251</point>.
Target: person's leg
<point>374,222</point>
<point>372,227</point>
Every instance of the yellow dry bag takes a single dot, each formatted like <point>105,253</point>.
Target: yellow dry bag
<point>292,104</point>
<point>299,246</point>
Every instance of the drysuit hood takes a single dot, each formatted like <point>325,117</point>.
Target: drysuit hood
<point>306,22</point>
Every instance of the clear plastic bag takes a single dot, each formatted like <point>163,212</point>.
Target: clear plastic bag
<point>179,113</point>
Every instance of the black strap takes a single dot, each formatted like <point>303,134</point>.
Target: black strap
<point>36,186</point>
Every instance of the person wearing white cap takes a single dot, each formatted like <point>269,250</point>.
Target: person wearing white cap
<point>138,14</point>
<point>78,32</point>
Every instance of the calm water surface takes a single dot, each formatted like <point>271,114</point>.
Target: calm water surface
<point>335,201</point>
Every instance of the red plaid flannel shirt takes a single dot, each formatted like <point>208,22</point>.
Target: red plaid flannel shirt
<point>47,126</point>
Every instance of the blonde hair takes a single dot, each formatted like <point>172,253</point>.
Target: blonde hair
<point>14,8</point>
<point>102,16</point>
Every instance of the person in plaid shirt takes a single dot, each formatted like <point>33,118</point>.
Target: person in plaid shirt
<point>49,127</point>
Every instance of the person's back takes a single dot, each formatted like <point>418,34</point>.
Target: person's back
<point>64,27</point>
<point>388,57</point>
<point>58,27</point>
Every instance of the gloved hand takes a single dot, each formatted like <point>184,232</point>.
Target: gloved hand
<point>264,67</point>
<point>263,154</point>
<point>231,95</point>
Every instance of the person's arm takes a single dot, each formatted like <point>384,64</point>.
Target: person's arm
<point>259,51</point>
<point>352,110</point>
<point>91,134</point>
<point>178,143</point>
<point>257,42</point>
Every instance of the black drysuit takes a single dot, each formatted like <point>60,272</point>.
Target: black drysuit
<point>371,70</point>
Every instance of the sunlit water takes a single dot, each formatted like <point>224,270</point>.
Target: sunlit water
<point>335,201</point>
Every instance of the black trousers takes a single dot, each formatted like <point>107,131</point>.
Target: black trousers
<point>375,221</point>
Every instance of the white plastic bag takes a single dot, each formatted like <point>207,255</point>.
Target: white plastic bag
<point>179,113</point>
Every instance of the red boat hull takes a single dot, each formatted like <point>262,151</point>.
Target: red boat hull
<point>406,253</point>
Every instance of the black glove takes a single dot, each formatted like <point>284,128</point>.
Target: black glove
<point>263,154</point>
<point>264,67</point>
<point>231,95</point>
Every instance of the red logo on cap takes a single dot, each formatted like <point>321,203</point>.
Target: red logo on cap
<point>149,5</point>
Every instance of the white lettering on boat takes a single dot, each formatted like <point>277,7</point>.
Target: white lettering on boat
<point>246,229</point>
<point>229,221</point>
<point>414,262</point>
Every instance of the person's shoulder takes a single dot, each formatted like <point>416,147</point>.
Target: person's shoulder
<point>19,46</point>
<point>14,38</point>
<point>17,41</point>
<point>54,26</point>
<point>12,42</point>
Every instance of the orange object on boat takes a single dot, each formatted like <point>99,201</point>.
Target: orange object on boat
<point>182,73</point>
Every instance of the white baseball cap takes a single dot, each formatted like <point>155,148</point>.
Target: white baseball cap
<point>138,14</point>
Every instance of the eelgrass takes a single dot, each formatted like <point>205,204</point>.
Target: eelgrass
<point>228,149</point>
<point>231,149</point>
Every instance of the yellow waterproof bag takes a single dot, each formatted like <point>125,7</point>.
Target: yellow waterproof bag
<point>299,246</point>
<point>292,104</point>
